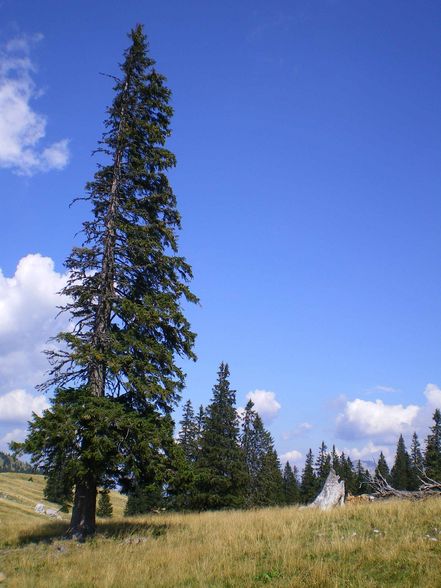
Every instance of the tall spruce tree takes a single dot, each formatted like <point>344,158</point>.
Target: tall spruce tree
<point>401,470</point>
<point>115,376</point>
<point>264,485</point>
<point>200,424</point>
<point>181,485</point>
<point>189,433</point>
<point>252,450</point>
<point>291,490</point>
<point>362,480</point>
<point>322,465</point>
<point>416,463</point>
<point>432,457</point>
<point>308,484</point>
<point>382,468</point>
<point>335,460</point>
<point>220,469</point>
<point>348,474</point>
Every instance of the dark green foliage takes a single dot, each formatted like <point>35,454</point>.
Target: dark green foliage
<point>200,420</point>
<point>322,466</point>
<point>362,480</point>
<point>341,464</point>
<point>59,488</point>
<point>105,508</point>
<point>270,479</point>
<point>9,463</point>
<point>347,473</point>
<point>335,460</point>
<point>432,457</point>
<point>291,489</point>
<point>220,469</point>
<point>382,468</point>
<point>264,484</point>
<point>143,499</point>
<point>309,483</point>
<point>189,435</point>
<point>115,373</point>
<point>401,471</point>
<point>416,463</point>
<point>180,487</point>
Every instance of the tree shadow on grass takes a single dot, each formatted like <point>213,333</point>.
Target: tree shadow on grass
<point>119,530</point>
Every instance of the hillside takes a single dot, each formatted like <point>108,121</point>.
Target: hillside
<point>364,546</point>
<point>9,463</point>
<point>19,493</point>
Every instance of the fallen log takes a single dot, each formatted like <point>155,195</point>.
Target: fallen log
<point>427,489</point>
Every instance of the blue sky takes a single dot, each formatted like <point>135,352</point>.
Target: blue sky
<point>308,139</point>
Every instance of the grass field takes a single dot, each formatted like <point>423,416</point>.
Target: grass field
<point>369,545</point>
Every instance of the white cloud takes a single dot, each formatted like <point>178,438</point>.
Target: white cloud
<point>21,127</point>
<point>362,418</point>
<point>291,456</point>
<point>371,451</point>
<point>14,435</point>
<point>265,403</point>
<point>18,405</point>
<point>28,309</point>
<point>433,395</point>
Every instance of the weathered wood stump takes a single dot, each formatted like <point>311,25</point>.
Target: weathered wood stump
<point>333,493</point>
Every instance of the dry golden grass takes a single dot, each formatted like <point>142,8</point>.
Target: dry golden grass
<point>370,545</point>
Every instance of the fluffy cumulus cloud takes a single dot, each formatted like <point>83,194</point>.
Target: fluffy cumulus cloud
<point>362,418</point>
<point>22,129</point>
<point>433,396</point>
<point>17,406</point>
<point>28,309</point>
<point>291,456</point>
<point>369,452</point>
<point>265,403</point>
<point>13,435</point>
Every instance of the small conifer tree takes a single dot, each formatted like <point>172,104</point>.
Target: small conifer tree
<point>291,490</point>
<point>220,469</point>
<point>362,480</point>
<point>105,508</point>
<point>401,470</point>
<point>416,463</point>
<point>308,484</point>
<point>382,468</point>
<point>432,457</point>
<point>322,465</point>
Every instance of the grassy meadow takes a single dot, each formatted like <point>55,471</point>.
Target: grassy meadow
<point>367,545</point>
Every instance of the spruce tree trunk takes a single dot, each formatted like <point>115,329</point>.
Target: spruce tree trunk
<point>83,521</point>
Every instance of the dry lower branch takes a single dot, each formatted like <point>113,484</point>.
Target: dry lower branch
<point>427,488</point>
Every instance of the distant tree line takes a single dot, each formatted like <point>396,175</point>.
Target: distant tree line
<point>223,460</point>
<point>408,467</point>
<point>9,463</point>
